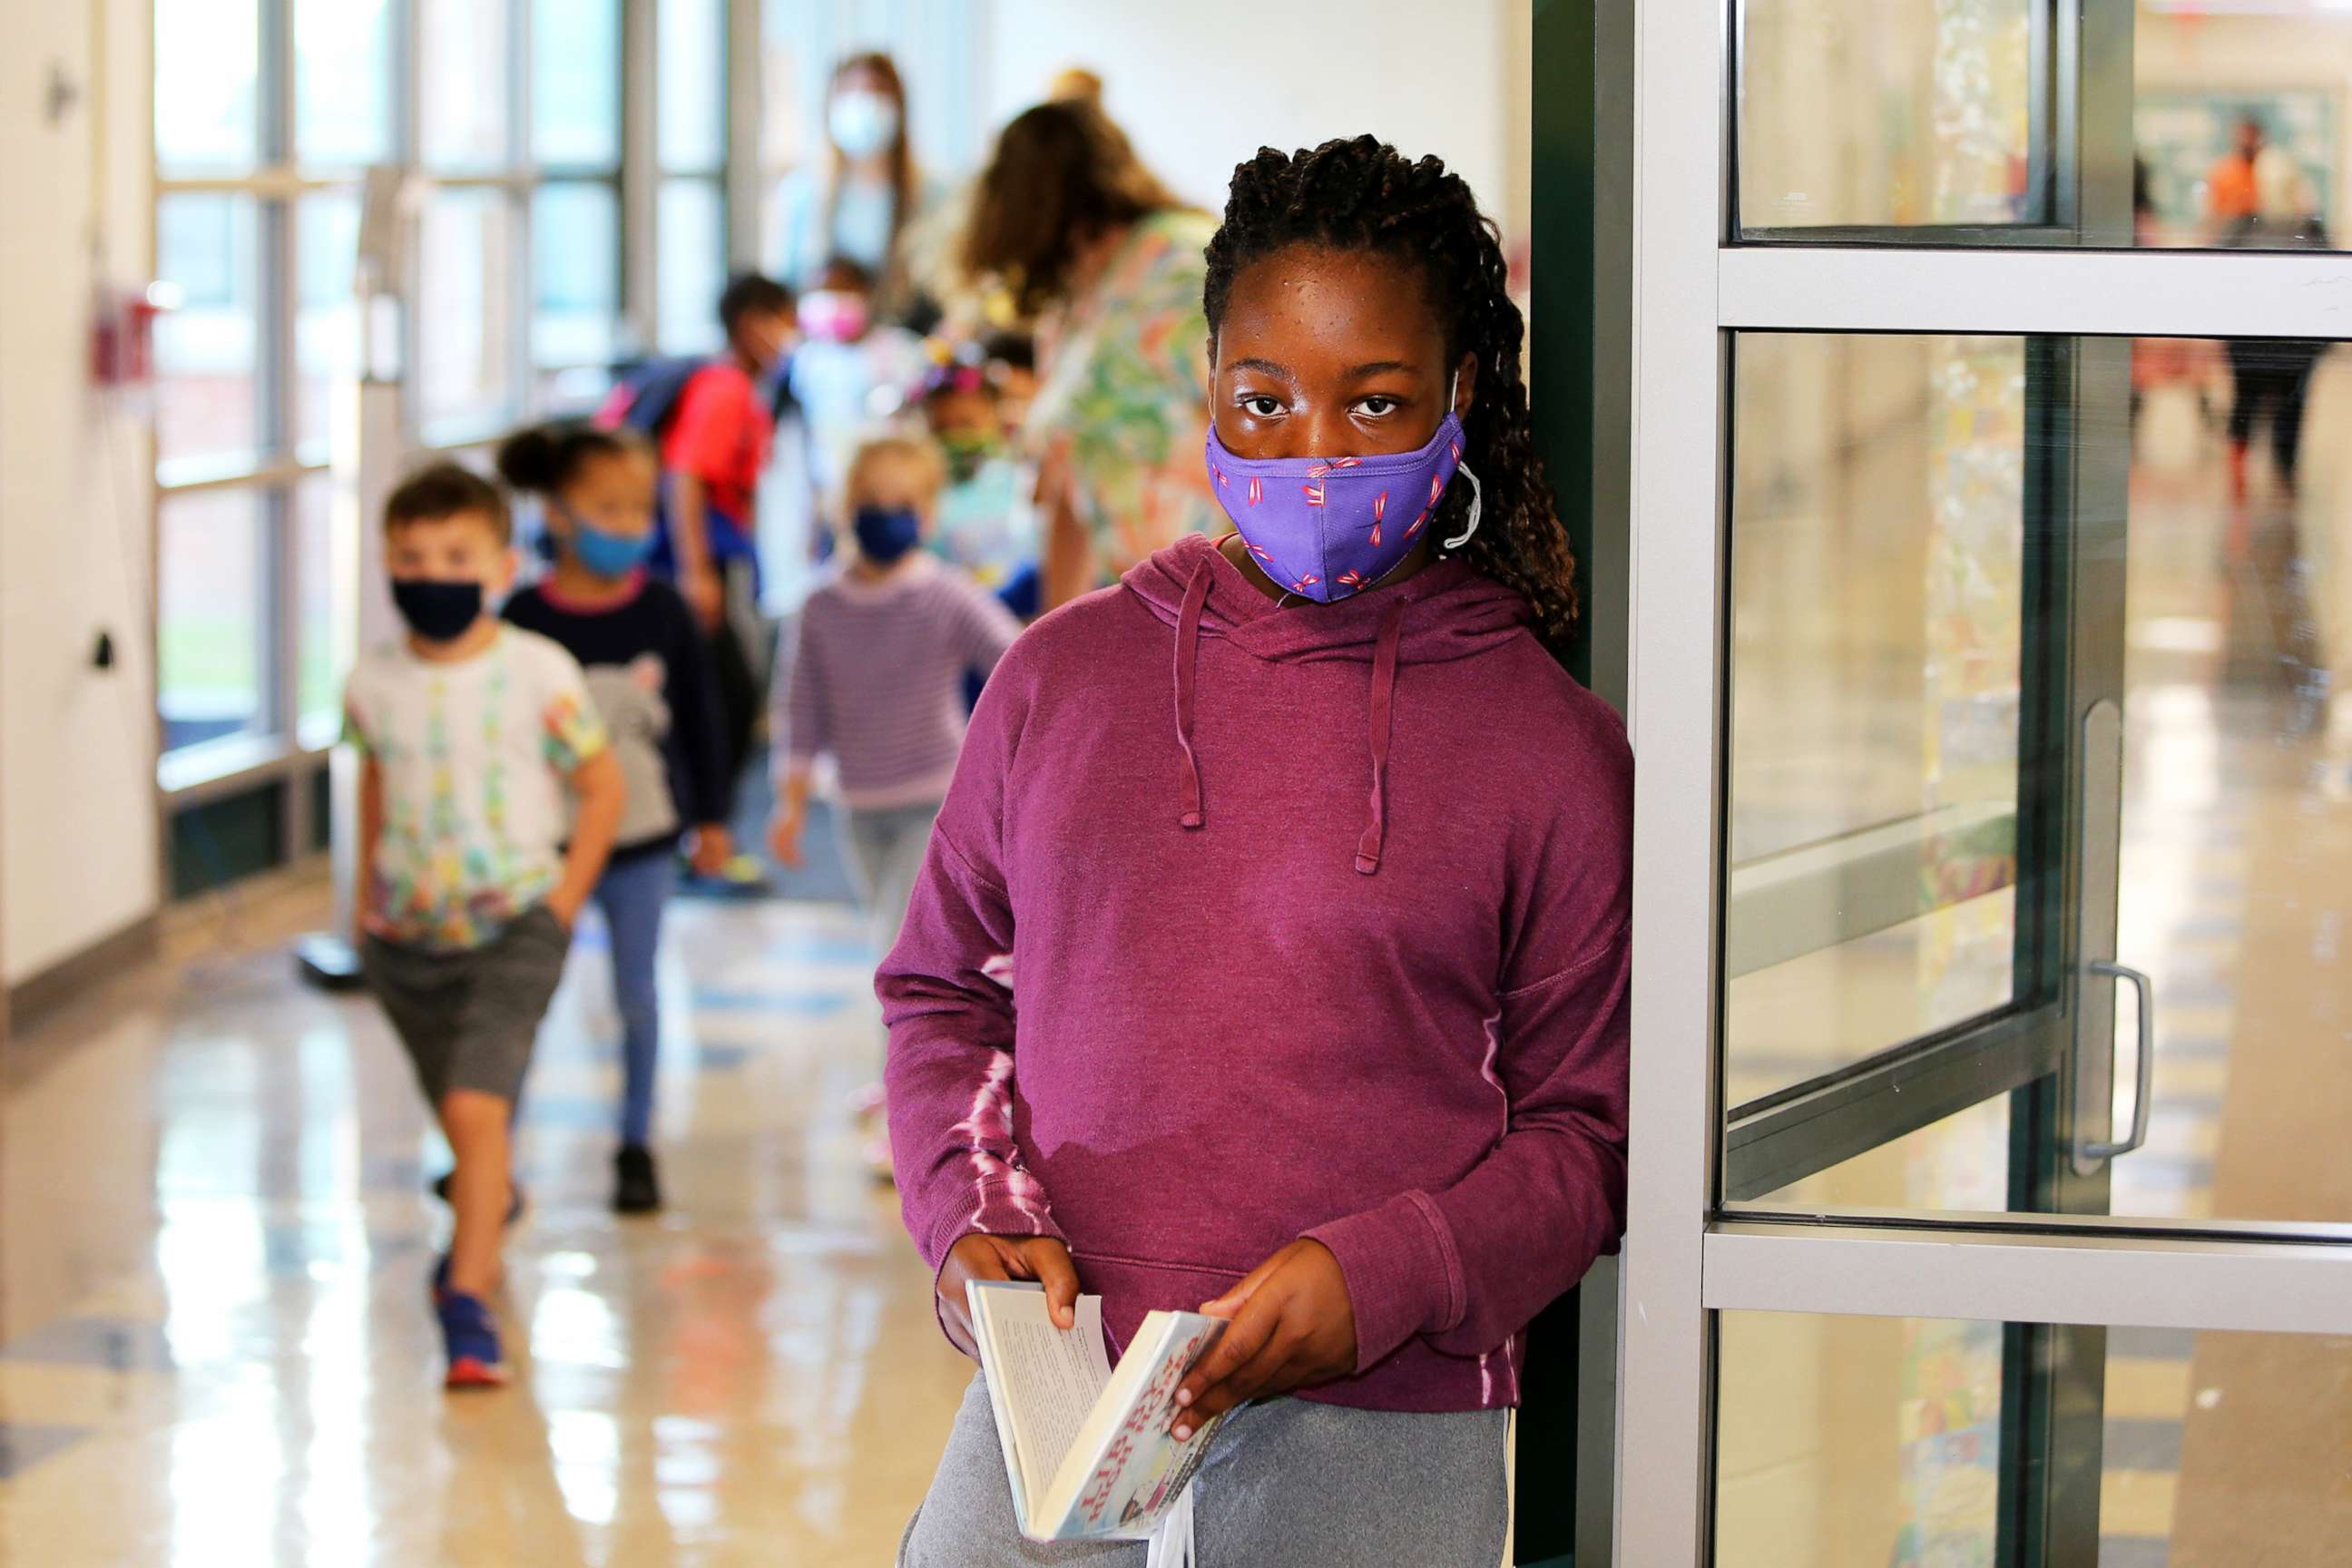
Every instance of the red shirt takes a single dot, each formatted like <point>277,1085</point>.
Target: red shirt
<point>721,435</point>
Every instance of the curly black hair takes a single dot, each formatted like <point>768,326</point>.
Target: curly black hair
<point>1364,195</point>
<point>545,458</point>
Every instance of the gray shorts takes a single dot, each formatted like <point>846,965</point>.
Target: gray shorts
<point>468,1019</point>
<point>1287,1481</point>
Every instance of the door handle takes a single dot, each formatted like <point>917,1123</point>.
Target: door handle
<point>2143,1098</point>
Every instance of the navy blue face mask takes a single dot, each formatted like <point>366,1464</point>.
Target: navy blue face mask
<point>885,533</point>
<point>435,610</point>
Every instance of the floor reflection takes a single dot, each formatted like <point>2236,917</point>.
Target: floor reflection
<point>215,1346</point>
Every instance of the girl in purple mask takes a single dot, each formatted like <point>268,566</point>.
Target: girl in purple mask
<point>1309,865</point>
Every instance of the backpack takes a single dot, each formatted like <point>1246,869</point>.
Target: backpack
<point>645,395</point>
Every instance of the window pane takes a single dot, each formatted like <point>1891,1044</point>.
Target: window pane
<point>691,266</point>
<point>1960,1162</point>
<point>691,100</point>
<point>212,622</point>
<point>1851,1442</point>
<point>342,81</point>
<point>207,86</point>
<point>465,54</point>
<point>1880,534</point>
<point>326,322</point>
<point>1877,512</point>
<point>465,303</point>
<point>1929,124</point>
<point>2225,142</point>
<point>328,586</point>
<point>576,272</point>
<point>576,83</point>
<point>207,352</point>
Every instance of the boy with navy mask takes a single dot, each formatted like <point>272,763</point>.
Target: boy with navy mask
<point>471,734</point>
<point>873,676</point>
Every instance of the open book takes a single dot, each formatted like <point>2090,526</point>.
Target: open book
<point>1085,1444</point>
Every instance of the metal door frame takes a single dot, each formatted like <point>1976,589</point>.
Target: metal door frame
<point>1685,1261</point>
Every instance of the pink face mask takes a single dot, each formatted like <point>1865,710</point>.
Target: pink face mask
<point>834,316</point>
<point>1326,528</point>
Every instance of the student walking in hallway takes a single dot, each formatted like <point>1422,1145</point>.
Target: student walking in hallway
<point>714,446</point>
<point>874,678</point>
<point>471,732</point>
<point>648,671</point>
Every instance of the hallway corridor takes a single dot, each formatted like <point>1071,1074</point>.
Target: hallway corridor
<point>215,1346</point>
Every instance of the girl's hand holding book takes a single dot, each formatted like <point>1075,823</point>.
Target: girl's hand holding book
<point>1293,1325</point>
<point>983,1256</point>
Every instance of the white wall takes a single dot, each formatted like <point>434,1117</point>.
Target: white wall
<point>78,851</point>
<point>1200,87</point>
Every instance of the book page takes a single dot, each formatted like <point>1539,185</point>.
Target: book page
<point>1046,1377</point>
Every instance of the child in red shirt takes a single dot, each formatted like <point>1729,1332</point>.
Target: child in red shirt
<point>711,458</point>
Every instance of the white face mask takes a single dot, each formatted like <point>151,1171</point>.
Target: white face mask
<point>863,123</point>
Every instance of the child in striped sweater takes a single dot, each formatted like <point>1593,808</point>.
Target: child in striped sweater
<point>873,677</point>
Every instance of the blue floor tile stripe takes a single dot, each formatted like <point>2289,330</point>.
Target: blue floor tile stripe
<point>790,1003</point>
<point>25,1444</point>
<point>108,1344</point>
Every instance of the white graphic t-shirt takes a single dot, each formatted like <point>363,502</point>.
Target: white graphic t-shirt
<point>474,756</point>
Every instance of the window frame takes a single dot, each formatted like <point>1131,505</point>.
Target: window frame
<point>276,757</point>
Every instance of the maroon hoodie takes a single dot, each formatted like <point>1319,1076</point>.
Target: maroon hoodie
<point>1319,921</point>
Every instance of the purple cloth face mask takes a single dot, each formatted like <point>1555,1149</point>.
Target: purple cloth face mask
<point>1326,528</point>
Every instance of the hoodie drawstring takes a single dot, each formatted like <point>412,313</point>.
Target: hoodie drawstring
<point>1384,665</point>
<point>1384,668</point>
<point>1188,649</point>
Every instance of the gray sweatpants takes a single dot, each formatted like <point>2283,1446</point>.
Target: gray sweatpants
<point>885,850</point>
<point>1286,1481</point>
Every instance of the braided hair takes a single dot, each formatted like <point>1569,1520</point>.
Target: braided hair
<point>1364,195</point>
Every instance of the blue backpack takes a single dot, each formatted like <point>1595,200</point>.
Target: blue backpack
<point>646,397</point>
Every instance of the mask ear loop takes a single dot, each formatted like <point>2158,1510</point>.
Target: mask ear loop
<point>1477,500</point>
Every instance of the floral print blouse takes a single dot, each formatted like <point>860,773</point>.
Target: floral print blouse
<point>1122,409</point>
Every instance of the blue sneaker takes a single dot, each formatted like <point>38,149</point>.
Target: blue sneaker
<point>471,1336</point>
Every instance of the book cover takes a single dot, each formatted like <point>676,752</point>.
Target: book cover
<point>1087,1449</point>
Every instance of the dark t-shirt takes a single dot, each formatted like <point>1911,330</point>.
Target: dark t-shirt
<point>652,624</point>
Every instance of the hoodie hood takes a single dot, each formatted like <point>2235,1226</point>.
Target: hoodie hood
<point>1446,611</point>
<point>1451,610</point>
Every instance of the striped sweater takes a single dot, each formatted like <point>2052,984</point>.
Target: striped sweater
<point>872,674</point>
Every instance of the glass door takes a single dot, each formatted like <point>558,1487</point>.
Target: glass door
<point>1991,1005</point>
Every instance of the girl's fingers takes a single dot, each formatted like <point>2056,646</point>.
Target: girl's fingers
<point>1244,1338</point>
<point>1060,1277</point>
<point>1232,1301</point>
<point>1254,1376</point>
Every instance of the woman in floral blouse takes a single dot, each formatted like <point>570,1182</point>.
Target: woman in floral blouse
<point>1086,238</point>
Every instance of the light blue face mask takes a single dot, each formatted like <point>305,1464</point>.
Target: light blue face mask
<point>863,123</point>
<point>608,555</point>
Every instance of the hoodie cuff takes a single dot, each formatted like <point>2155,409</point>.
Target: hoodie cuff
<point>988,1209</point>
<point>1403,1276</point>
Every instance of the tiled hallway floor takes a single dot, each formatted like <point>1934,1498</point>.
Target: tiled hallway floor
<point>215,1346</point>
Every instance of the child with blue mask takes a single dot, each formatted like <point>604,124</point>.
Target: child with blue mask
<point>871,675</point>
<point>648,671</point>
